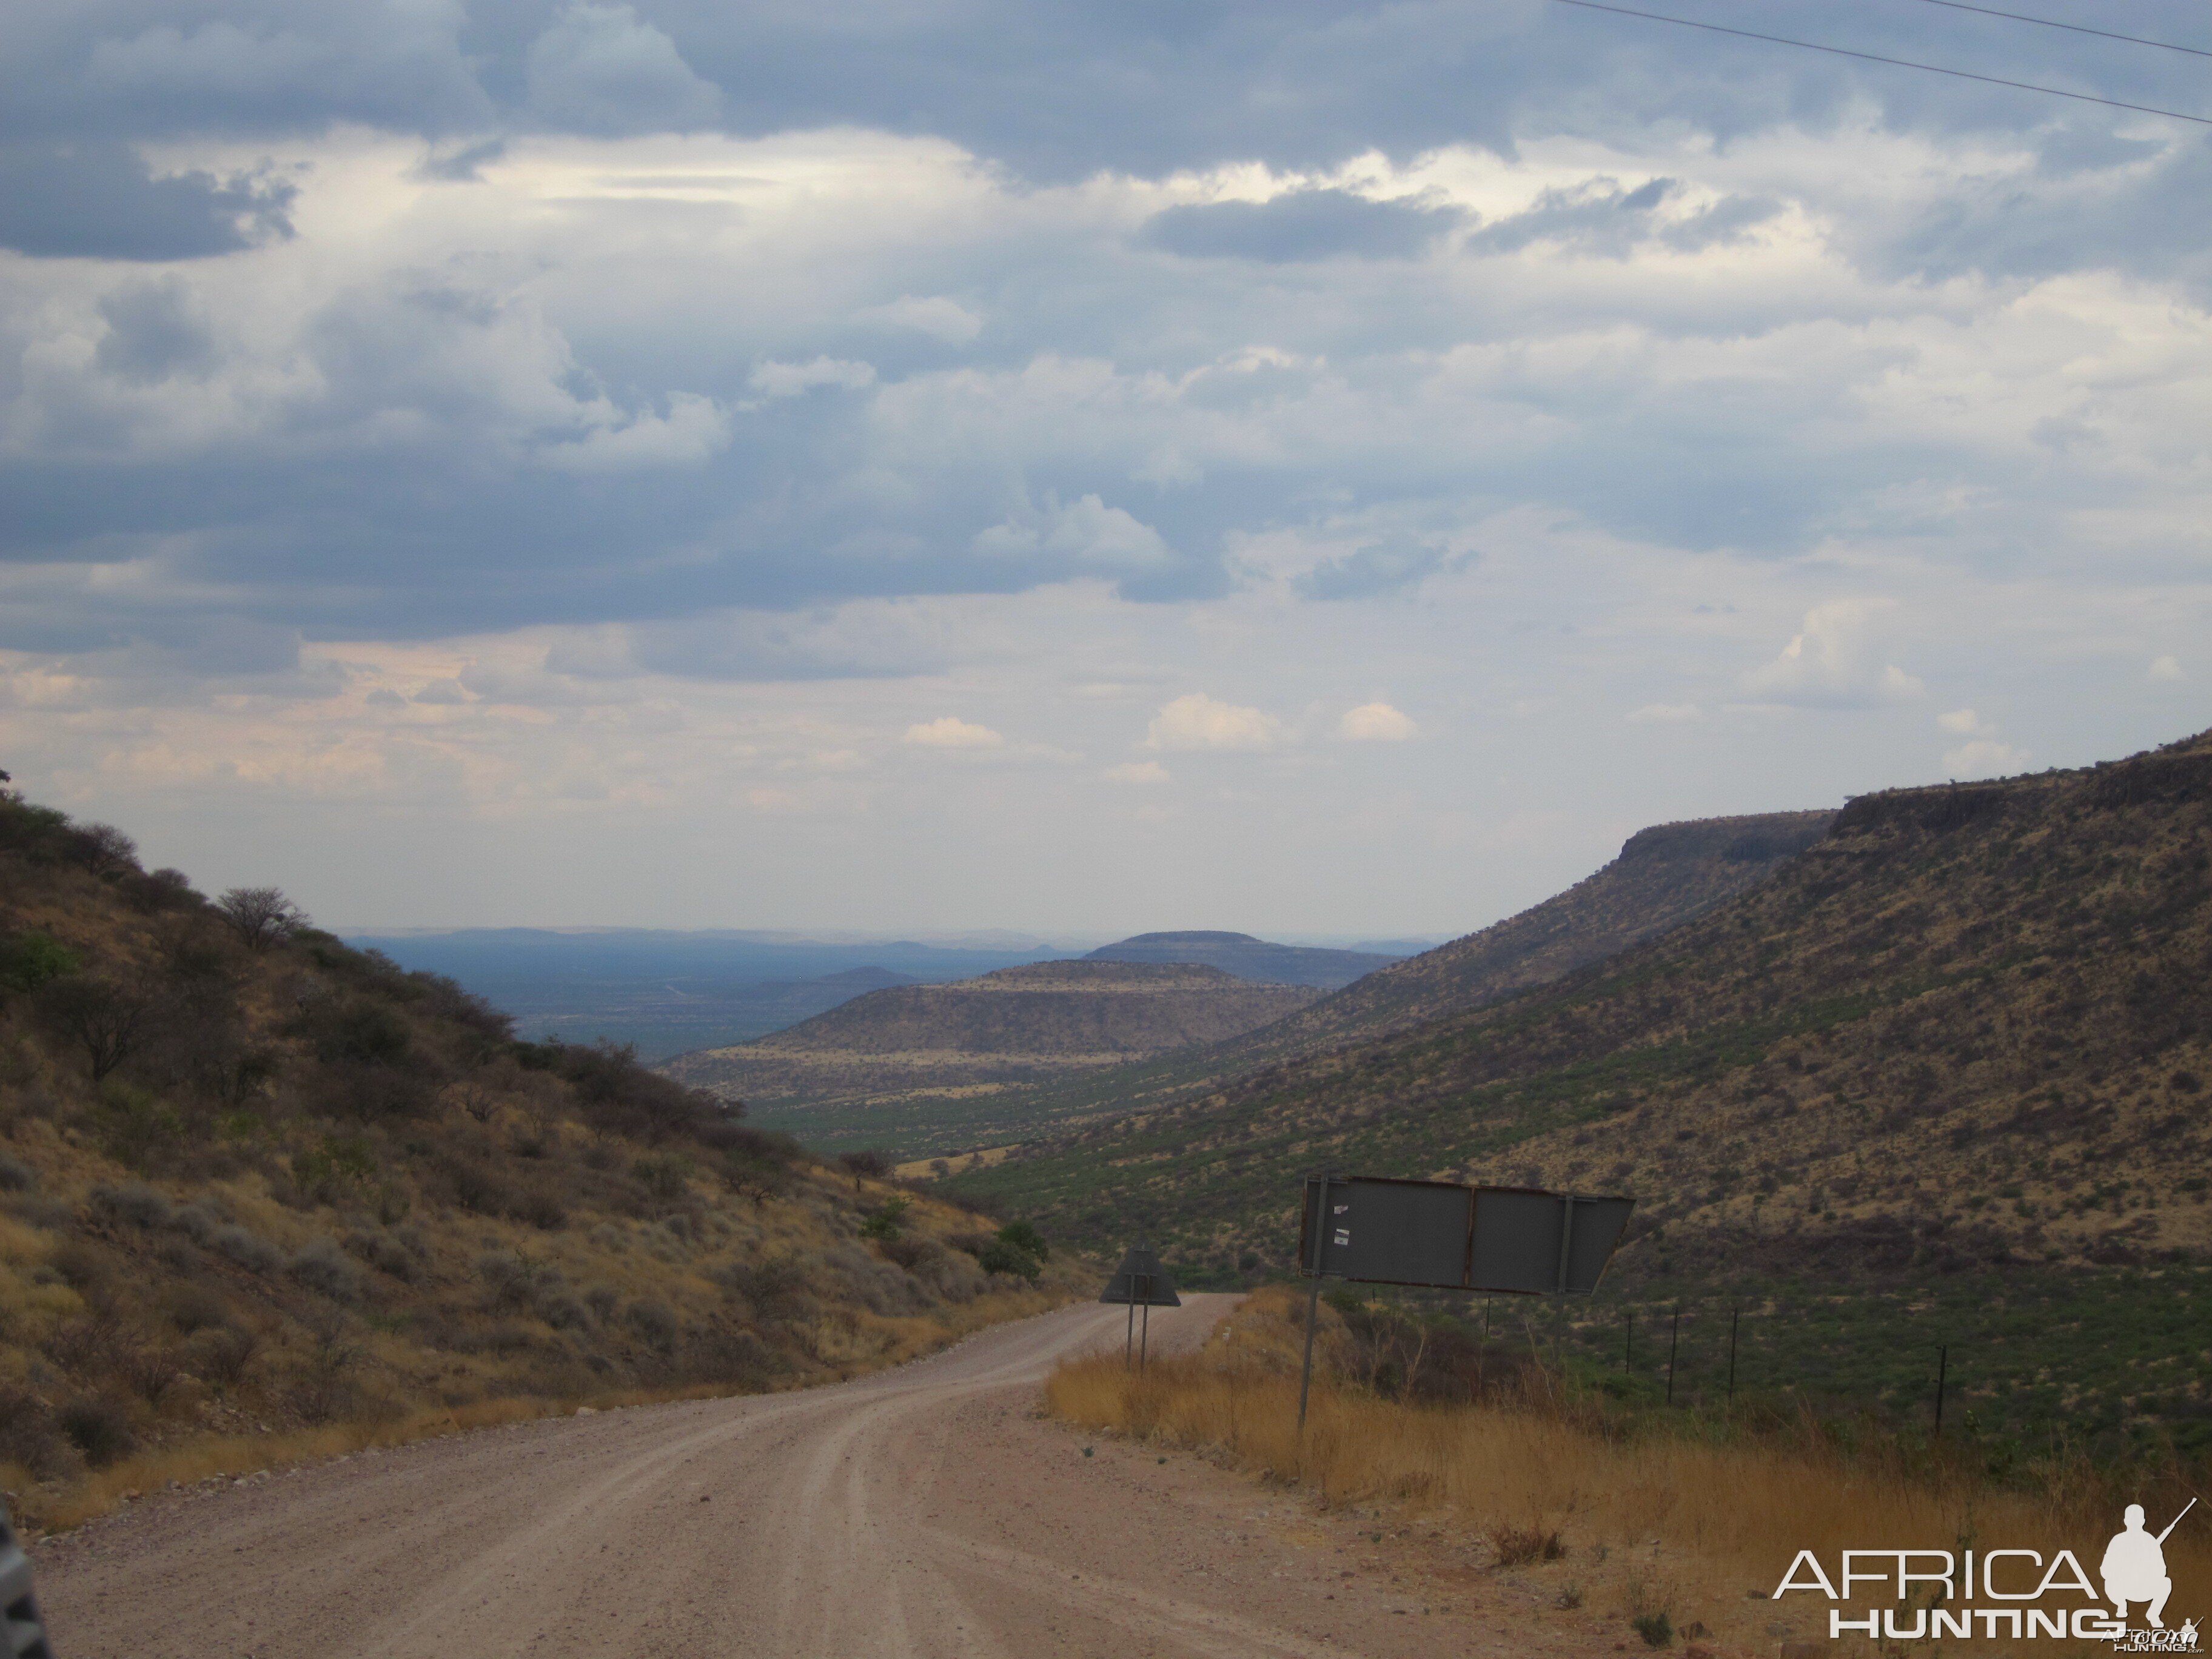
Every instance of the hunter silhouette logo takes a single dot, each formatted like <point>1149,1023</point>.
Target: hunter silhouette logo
<point>2134,1569</point>
<point>1934,1593</point>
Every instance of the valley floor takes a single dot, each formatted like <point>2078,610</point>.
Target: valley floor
<point>924,1511</point>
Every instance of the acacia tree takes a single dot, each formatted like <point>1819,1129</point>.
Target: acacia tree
<point>108,1020</point>
<point>105,849</point>
<point>263,916</point>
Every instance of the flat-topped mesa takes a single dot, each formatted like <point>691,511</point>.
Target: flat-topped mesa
<point>1109,978</point>
<point>1247,957</point>
<point>1021,1023</point>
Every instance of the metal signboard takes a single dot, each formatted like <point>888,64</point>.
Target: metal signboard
<point>1141,1280</point>
<point>1379,1231</point>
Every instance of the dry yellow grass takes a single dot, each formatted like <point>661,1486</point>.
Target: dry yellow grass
<point>1699,1526</point>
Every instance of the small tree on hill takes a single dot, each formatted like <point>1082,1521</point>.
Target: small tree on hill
<point>865,1162</point>
<point>106,1019</point>
<point>263,916</point>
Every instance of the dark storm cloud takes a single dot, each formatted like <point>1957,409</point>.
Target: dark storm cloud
<point>1305,224</point>
<point>100,200</point>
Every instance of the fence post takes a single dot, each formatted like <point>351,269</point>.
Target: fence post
<point>1942,1369</point>
<point>1628,1346</point>
<point>1734,1314</point>
<point>1674,1347</point>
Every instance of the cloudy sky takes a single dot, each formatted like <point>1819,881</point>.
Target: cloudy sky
<point>940,464</point>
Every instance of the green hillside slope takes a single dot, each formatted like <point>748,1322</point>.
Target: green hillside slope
<point>1968,1030</point>
<point>263,1194</point>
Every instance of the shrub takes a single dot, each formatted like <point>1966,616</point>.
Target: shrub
<point>15,1176</point>
<point>194,1308</point>
<point>99,1429</point>
<point>222,1354</point>
<point>603,1301</point>
<point>620,1096</point>
<point>564,1312</point>
<point>160,890</point>
<point>655,1323</point>
<point>886,1220</point>
<point>775,1289</point>
<point>324,1270</point>
<point>540,1206</point>
<point>29,1436</point>
<point>664,1173</point>
<point>135,1128</point>
<point>1000,1257</point>
<point>513,1282</point>
<point>384,1252</point>
<point>1023,1237</point>
<point>196,1222</point>
<point>360,1033</point>
<point>249,1250</point>
<point>1518,1545</point>
<point>1657,1629</point>
<point>151,1372</point>
<point>31,960</point>
<point>134,1204</point>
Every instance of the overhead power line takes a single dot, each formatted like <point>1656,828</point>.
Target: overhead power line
<point>1896,62</point>
<point>2072,28</point>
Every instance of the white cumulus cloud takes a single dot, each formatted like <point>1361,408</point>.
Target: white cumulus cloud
<point>1984,758</point>
<point>776,379</point>
<point>1086,532</point>
<point>1137,772</point>
<point>939,318</point>
<point>953,732</point>
<point>599,70</point>
<point>1198,721</point>
<point>1965,723</point>
<point>693,428</point>
<point>1838,657</point>
<point>1665,713</point>
<point>1375,723</point>
<point>2166,671</point>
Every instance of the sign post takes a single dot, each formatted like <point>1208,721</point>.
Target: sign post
<point>1141,1282</point>
<point>1439,1235</point>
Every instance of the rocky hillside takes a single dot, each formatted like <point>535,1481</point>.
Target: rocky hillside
<point>1018,1023</point>
<point>1247,957</point>
<point>261,1191</point>
<point>1664,876</point>
<point>1972,1024</point>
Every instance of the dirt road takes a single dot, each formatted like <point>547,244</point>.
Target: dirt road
<point>924,1511</point>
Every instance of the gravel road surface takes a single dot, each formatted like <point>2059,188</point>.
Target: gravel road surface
<point>924,1511</point>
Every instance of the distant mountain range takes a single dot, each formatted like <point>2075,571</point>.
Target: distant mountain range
<point>669,992</point>
<point>1247,957</point>
<point>1664,875</point>
<point>1010,1026</point>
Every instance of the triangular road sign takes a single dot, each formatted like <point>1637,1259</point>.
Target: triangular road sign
<point>1142,1281</point>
